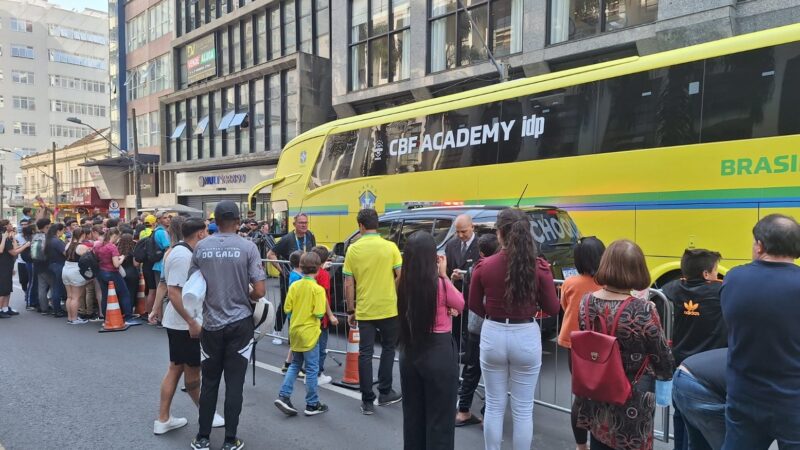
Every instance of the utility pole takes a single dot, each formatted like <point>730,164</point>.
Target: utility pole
<point>55,185</point>
<point>137,188</point>
<point>2,194</point>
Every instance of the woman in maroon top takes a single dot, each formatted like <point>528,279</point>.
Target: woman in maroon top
<point>642,344</point>
<point>508,289</point>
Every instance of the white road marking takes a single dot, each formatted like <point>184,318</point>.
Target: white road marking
<point>339,390</point>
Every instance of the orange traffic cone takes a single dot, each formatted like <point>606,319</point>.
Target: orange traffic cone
<point>140,297</point>
<point>350,378</point>
<point>114,321</point>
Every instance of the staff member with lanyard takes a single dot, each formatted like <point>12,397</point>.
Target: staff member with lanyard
<point>299,239</point>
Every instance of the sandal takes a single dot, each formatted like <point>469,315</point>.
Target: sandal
<point>471,421</point>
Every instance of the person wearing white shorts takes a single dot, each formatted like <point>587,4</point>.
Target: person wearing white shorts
<point>71,275</point>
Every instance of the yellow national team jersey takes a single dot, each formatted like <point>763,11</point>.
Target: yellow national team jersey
<point>306,302</point>
<point>371,261</point>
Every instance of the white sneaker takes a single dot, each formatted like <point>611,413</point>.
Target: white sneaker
<point>277,341</point>
<point>172,424</point>
<point>219,421</point>
<point>77,321</point>
<point>323,379</point>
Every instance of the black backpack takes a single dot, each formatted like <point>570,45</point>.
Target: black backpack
<point>140,251</point>
<point>88,265</point>
<point>153,251</point>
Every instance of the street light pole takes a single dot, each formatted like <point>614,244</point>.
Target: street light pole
<point>137,188</point>
<point>55,185</point>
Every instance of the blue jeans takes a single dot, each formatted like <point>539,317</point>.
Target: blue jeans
<point>702,410</point>
<point>59,292</point>
<point>122,291</point>
<point>311,359</point>
<point>323,349</point>
<point>755,427</point>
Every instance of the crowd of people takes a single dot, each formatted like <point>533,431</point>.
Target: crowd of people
<point>735,383</point>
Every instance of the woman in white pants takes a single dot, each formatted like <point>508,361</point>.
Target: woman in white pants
<point>516,284</point>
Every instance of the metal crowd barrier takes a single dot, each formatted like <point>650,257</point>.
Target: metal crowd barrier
<point>551,390</point>
<point>554,393</point>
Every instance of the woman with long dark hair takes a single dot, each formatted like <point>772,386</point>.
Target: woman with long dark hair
<point>110,261</point>
<point>516,284</point>
<point>426,301</point>
<point>54,251</point>
<point>72,278</point>
<point>125,247</point>
<point>587,254</point>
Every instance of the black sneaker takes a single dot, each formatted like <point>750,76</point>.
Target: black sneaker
<point>238,444</point>
<point>313,410</point>
<point>285,367</point>
<point>4,315</point>
<point>285,405</point>
<point>367,408</point>
<point>389,399</point>
<point>60,314</point>
<point>30,308</point>
<point>201,444</point>
<point>12,312</point>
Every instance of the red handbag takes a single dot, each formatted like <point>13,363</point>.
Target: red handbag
<point>597,370</point>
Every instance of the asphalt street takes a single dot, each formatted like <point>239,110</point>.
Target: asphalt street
<point>69,387</point>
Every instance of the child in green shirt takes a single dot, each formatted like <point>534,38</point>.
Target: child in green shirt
<point>305,306</point>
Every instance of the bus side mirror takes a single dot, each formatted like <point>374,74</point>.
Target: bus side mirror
<point>338,249</point>
<point>251,205</point>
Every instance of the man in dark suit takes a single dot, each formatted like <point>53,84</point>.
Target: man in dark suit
<point>461,254</point>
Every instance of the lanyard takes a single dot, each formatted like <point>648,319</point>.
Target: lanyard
<point>298,242</point>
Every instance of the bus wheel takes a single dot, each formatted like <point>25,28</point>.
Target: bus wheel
<point>666,278</point>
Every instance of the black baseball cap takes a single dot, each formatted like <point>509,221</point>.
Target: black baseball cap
<point>226,209</point>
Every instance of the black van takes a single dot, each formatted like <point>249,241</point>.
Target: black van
<point>552,228</point>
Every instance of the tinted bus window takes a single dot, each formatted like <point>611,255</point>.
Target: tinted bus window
<point>563,124</point>
<point>747,94</point>
<point>650,109</point>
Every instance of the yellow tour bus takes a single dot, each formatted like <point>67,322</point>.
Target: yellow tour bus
<point>682,149</point>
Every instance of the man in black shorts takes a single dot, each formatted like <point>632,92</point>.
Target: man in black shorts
<point>182,321</point>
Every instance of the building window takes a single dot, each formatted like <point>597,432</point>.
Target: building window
<point>576,19</point>
<point>22,51</point>
<point>460,35</point>
<point>149,78</point>
<point>25,128</point>
<point>76,59</point>
<point>21,25</point>
<point>323,29</point>
<point>76,34</point>
<point>380,42</point>
<point>276,45</point>
<point>26,103</point>
<point>275,112</point>
<point>67,131</point>
<point>85,109</point>
<point>78,84</point>
<point>155,135</point>
<point>22,77</point>
<point>289,27</point>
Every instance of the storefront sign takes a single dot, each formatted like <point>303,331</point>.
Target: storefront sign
<point>232,181</point>
<point>201,59</point>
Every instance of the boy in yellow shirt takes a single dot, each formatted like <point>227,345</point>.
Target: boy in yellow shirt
<point>305,306</point>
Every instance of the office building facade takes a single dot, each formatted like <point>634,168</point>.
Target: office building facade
<point>249,77</point>
<point>53,65</point>
<point>391,52</point>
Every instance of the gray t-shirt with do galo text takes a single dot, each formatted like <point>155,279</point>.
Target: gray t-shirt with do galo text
<point>229,263</point>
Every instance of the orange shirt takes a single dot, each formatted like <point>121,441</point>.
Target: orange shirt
<point>572,292</point>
